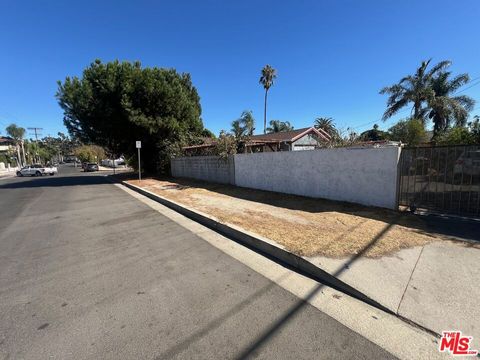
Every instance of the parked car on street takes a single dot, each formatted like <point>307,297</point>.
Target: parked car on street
<point>91,167</point>
<point>37,170</point>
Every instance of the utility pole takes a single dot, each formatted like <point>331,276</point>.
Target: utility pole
<point>36,131</point>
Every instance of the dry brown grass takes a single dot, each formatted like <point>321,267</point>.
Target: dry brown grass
<point>305,226</point>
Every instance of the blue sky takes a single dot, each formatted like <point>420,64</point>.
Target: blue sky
<point>332,57</point>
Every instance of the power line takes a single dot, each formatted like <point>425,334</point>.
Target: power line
<point>36,132</point>
<point>458,92</point>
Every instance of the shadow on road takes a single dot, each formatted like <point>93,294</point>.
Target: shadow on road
<point>56,181</point>
<point>252,349</point>
<point>271,331</point>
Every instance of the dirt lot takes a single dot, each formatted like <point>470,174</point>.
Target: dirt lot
<point>305,226</point>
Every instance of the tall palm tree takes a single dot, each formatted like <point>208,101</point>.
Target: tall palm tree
<point>327,125</point>
<point>269,74</point>
<point>279,126</point>
<point>414,89</point>
<point>446,108</point>
<point>17,133</point>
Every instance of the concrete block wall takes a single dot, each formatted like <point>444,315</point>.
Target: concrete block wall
<point>364,176</point>
<point>207,168</point>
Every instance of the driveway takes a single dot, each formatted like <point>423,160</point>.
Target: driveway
<point>88,272</point>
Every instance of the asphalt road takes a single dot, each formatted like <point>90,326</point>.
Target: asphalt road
<point>89,272</point>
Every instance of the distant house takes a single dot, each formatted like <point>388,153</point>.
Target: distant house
<point>204,148</point>
<point>300,139</point>
<point>294,140</point>
<point>6,144</point>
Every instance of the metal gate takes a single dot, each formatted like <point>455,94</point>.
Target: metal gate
<point>444,179</point>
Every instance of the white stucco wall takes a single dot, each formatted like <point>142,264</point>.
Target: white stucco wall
<point>364,176</point>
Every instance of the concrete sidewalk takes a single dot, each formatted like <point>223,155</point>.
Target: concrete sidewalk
<point>435,286</point>
<point>4,174</point>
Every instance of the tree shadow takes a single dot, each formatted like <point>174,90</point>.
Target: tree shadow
<point>56,181</point>
<point>197,335</point>
<point>282,321</point>
<point>271,331</point>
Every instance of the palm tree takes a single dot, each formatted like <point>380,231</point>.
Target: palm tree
<point>414,89</point>
<point>17,133</point>
<point>446,108</point>
<point>327,125</point>
<point>237,129</point>
<point>279,126</point>
<point>248,122</point>
<point>269,74</point>
<point>243,126</point>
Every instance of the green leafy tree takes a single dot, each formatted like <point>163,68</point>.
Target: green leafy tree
<point>65,144</point>
<point>374,134</point>
<point>413,89</point>
<point>474,126</point>
<point>446,108</point>
<point>458,135</point>
<point>114,104</point>
<point>279,126</point>
<point>90,153</point>
<point>408,131</point>
<point>225,145</point>
<point>207,134</point>
<point>17,133</point>
<point>268,76</point>
<point>461,135</point>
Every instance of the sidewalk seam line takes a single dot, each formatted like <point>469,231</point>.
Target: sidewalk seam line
<point>410,279</point>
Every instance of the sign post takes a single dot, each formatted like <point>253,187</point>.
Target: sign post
<point>139,146</point>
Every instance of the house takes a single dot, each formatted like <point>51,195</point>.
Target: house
<point>6,144</point>
<point>7,148</point>
<point>294,140</point>
<point>206,147</point>
<point>300,139</point>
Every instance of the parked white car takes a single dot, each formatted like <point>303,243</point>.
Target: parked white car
<point>37,170</point>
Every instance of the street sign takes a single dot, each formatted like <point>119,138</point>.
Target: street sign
<point>139,146</point>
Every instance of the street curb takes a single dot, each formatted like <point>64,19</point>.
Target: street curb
<point>263,246</point>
